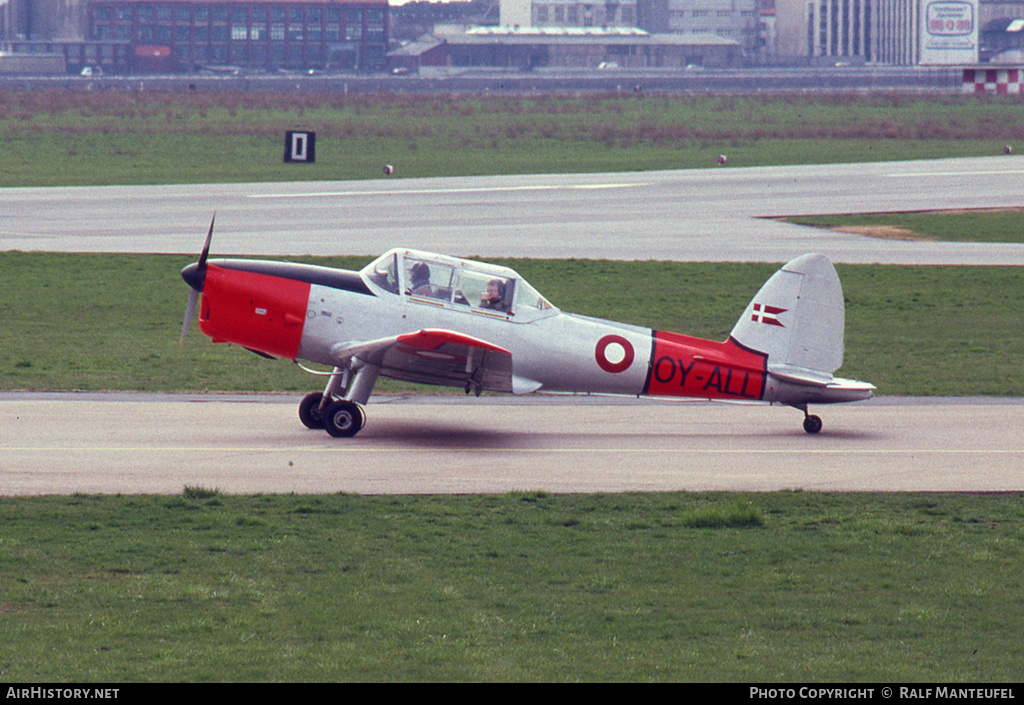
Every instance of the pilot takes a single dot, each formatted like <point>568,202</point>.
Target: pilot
<point>420,275</point>
<point>494,297</point>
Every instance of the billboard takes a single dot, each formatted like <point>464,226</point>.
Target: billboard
<point>949,32</point>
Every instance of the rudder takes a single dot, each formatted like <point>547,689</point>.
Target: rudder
<point>797,318</point>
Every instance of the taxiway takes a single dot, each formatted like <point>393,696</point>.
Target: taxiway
<point>696,215</point>
<point>141,443</point>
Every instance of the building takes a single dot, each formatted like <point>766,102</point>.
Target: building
<point>528,48</point>
<point>573,13</point>
<point>1002,31</point>
<point>167,36</point>
<point>410,57</point>
<point>737,20</point>
<point>800,32</point>
<point>895,32</point>
<point>45,20</point>
<point>171,36</point>
<point>54,28</point>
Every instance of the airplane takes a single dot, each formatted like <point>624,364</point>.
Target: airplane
<point>441,320</point>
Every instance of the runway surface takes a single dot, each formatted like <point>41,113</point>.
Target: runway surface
<point>96,443</point>
<point>715,214</point>
<point>140,443</point>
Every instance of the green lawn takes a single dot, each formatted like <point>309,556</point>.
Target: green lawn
<point>756,588</point>
<point>995,225</point>
<point>910,330</point>
<point>53,138</point>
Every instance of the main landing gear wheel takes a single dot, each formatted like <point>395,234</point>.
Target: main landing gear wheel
<point>309,411</point>
<point>812,423</point>
<point>343,419</point>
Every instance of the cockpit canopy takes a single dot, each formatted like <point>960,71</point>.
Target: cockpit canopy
<point>457,283</point>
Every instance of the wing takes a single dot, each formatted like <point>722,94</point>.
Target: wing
<point>435,356</point>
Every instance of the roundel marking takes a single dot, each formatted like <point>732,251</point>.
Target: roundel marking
<point>614,354</point>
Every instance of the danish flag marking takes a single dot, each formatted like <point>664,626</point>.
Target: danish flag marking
<point>767,314</point>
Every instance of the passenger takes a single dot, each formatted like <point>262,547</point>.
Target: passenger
<point>494,297</point>
<point>420,275</point>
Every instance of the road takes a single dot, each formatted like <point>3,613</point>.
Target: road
<point>96,443</point>
<point>715,214</point>
<point>488,81</point>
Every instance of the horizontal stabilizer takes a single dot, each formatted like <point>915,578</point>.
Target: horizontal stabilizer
<point>800,375</point>
<point>523,385</point>
<point>851,385</point>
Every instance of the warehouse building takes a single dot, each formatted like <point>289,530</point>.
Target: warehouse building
<point>173,36</point>
<point>587,48</point>
<point>168,36</point>
<point>815,32</point>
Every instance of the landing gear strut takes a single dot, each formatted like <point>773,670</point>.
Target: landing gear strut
<point>339,408</point>
<point>812,423</point>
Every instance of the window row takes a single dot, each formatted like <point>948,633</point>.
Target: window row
<point>350,33</point>
<point>276,54</point>
<point>465,285</point>
<point>149,13</point>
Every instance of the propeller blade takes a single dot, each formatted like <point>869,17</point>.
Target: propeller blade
<point>206,247</point>
<point>195,276</point>
<point>190,311</point>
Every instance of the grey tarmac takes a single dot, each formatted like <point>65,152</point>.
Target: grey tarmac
<point>143,443</point>
<point>697,215</point>
<point>59,444</point>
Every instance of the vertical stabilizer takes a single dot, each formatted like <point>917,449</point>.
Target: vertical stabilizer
<point>797,318</point>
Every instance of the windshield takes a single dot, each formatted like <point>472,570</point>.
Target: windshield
<point>530,300</point>
<point>464,285</point>
<point>485,290</point>
<point>383,272</point>
<point>428,279</point>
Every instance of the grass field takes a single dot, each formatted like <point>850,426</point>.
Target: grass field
<point>996,225</point>
<point>54,138</point>
<point>111,322</point>
<point>781,587</point>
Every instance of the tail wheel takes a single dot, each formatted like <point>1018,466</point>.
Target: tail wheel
<point>812,423</point>
<point>343,419</point>
<point>309,411</point>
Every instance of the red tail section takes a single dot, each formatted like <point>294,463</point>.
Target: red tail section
<point>683,366</point>
<point>257,311</point>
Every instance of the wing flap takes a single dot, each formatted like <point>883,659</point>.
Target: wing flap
<point>435,356</point>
